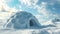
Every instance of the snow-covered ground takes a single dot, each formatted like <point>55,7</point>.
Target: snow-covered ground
<point>32,31</point>
<point>48,30</point>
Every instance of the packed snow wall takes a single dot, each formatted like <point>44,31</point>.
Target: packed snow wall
<point>22,20</point>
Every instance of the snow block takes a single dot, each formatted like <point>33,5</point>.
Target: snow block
<point>23,20</point>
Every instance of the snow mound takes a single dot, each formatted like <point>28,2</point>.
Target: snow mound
<point>22,20</point>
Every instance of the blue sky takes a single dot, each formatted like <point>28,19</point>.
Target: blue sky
<point>43,9</point>
<point>16,3</point>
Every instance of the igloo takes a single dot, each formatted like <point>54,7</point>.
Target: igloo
<point>23,20</point>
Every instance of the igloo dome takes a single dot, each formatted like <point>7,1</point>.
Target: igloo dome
<point>22,20</point>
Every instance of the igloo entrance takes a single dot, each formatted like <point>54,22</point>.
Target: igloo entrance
<point>32,22</point>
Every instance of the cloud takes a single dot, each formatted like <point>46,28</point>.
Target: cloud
<point>5,10</point>
<point>28,2</point>
<point>49,22</point>
<point>42,9</point>
<point>33,3</point>
<point>4,5</point>
<point>40,18</point>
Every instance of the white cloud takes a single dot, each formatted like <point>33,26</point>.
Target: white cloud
<point>28,2</point>
<point>41,9</point>
<point>34,1</point>
<point>4,5</point>
<point>49,22</point>
<point>41,19</point>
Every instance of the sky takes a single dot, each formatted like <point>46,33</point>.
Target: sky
<point>43,10</point>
